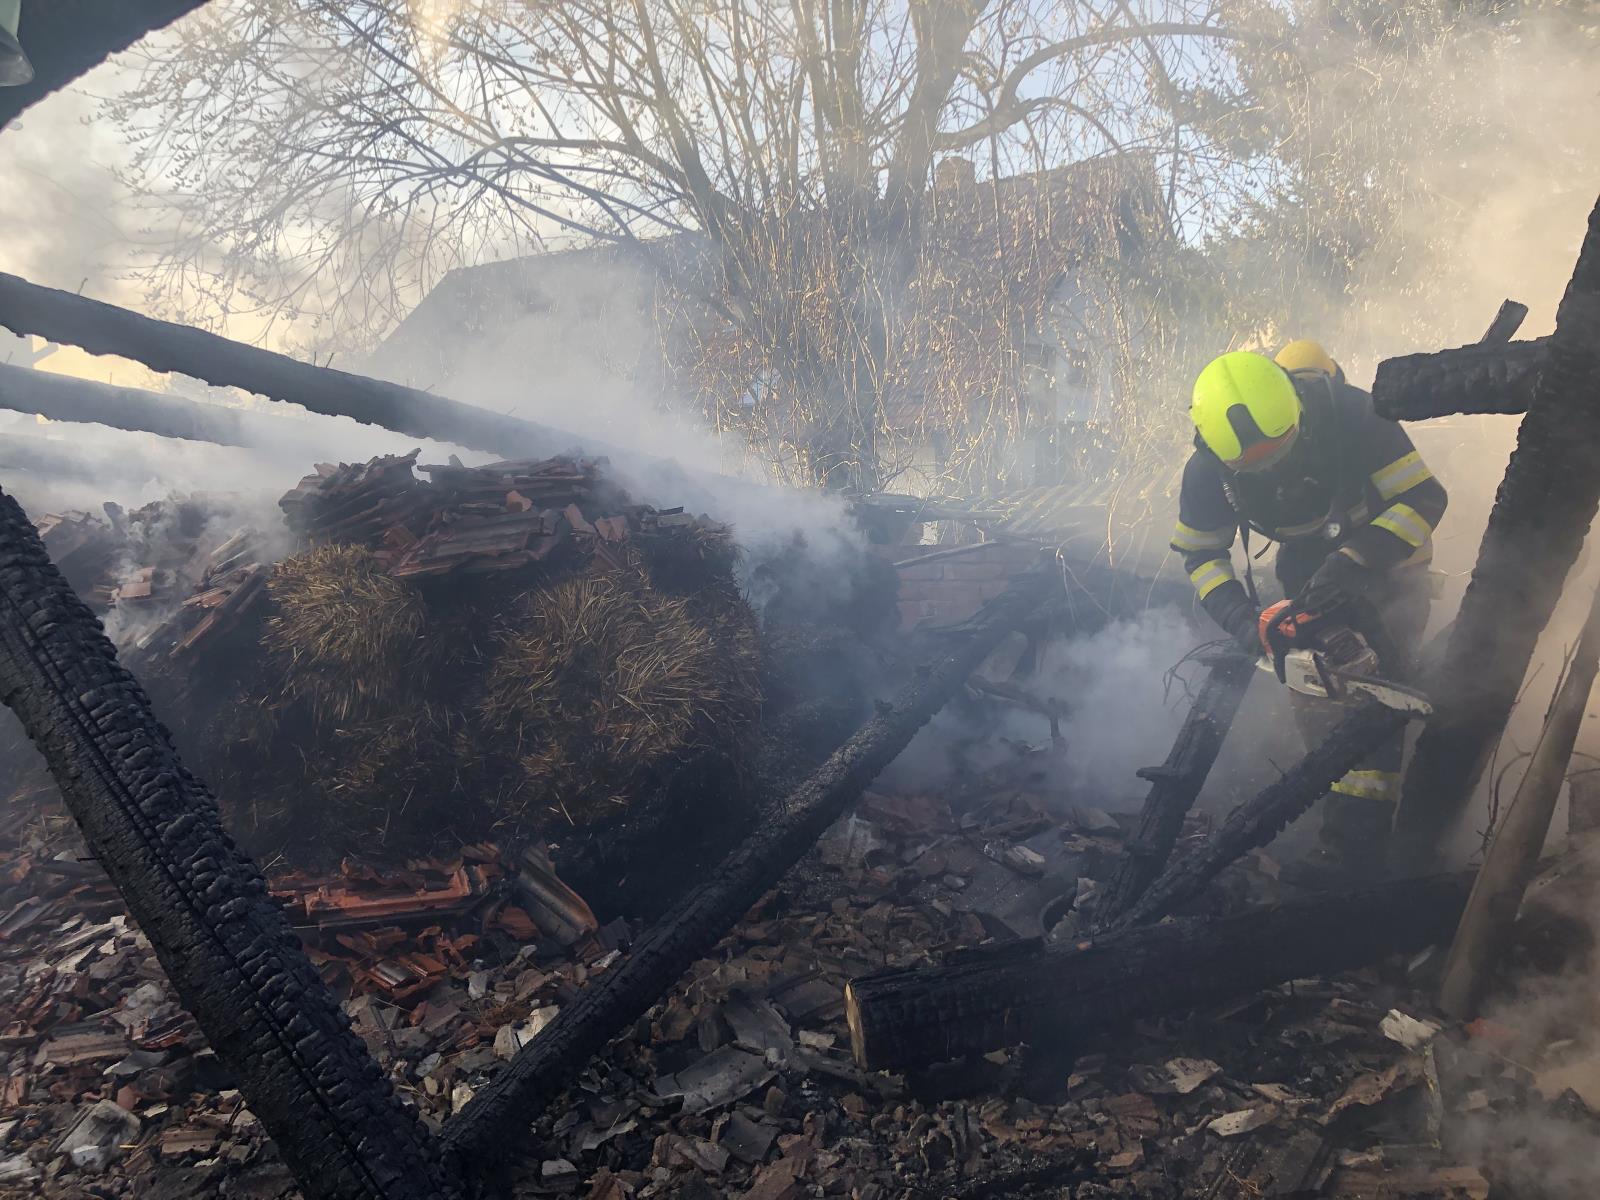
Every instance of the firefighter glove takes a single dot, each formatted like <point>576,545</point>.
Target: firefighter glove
<point>1239,622</point>
<point>1339,581</point>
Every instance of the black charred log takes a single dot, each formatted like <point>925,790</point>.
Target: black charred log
<point>1260,819</point>
<point>229,950</point>
<point>1542,513</point>
<point>1175,784</point>
<point>102,328</point>
<point>1484,378</point>
<point>516,1096</point>
<point>1065,996</point>
<point>65,38</point>
<point>65,398</point>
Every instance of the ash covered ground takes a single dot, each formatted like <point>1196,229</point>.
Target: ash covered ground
<point>740,1081</point>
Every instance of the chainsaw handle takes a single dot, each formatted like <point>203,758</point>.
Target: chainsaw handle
<point>1283,627</point>
<point>1330,682</point>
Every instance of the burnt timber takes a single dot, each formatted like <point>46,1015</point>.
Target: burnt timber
<point>99,328</point>
<point>1176,783</point>
<point>84,401</point>
<point>1063,996</point>
<point>1481,378</point>
<point>1541,515</point>
<point>1260,819</point>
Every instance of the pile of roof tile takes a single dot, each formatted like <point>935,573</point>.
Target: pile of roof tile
<point>183,578</point>
<point>85,549</point>
<point>169,575</point>
<point>104,1078</point>
<point>496,517</point>
<point>358,502</point>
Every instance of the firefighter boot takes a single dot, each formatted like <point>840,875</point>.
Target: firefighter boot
<point>1352,846</point>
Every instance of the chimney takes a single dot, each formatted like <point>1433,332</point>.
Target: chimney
<point>954,174</point>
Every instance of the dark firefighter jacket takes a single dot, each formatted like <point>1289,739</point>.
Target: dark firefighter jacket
<point>1351,480</point>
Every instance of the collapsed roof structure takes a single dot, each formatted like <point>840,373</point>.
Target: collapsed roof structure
<point>773,978</point>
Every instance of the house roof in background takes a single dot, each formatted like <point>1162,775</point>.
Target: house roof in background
<point>471,304</point>
<point>1098,199</point>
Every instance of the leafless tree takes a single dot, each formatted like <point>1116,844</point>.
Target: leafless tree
<point>1405,162</point>
<point>333,157</point>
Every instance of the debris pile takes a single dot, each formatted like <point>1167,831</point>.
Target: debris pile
<point>739,1082</point>
<point>84,549</point>
<point>523,630</point>
<point>105,1075</point>
<point>435,657</point>
<point>135,567</point>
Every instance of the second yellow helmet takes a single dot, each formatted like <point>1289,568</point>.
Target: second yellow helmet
<point>1303,354</point>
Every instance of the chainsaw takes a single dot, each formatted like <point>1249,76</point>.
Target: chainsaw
<point>1315,656</point>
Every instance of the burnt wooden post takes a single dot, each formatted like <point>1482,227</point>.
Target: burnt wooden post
<point>1540,517</point>
<point>1175,784</point>
<point>1481,378</point>
<point>1513,856</point>
<point>1260,819</point>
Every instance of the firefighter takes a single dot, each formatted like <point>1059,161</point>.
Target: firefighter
<point>1298,457</point>
<point>1303,354</point>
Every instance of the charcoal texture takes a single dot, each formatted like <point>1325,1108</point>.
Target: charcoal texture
<point>1176,783</point>
<point>1469,379</point>
<point>1268,813</point>
<point>1541,515</point>
<point>228,949</point>
<point>1063,996</point>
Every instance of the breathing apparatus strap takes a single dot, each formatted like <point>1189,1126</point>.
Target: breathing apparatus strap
<point>1249,567</point>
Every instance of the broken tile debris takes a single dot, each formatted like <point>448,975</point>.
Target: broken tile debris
<point>739,1082</point>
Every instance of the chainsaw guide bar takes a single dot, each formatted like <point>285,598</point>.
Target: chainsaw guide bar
<point>1308,673</point>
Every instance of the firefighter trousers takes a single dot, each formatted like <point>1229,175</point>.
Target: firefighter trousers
<point>1358,811</point>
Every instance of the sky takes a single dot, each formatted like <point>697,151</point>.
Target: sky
<point>72,224</point>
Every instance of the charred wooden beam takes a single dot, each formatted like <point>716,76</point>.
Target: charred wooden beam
<point>1175,784</point>
<point>1541,514</point>
<point>86,402</point>
<point>986,999</point>
<point>83,401</point>
<point>65,38</point>
<point>102,328</point>
<point>515,1097</point>
<point>1507,321</point>
<point>228,949</point>
<point>1482,378</point>
<point>1262,818</point>
<point>47,459</point>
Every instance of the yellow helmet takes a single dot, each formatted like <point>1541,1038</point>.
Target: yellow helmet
<point>1303,354</point>
<point>1245,409</point>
